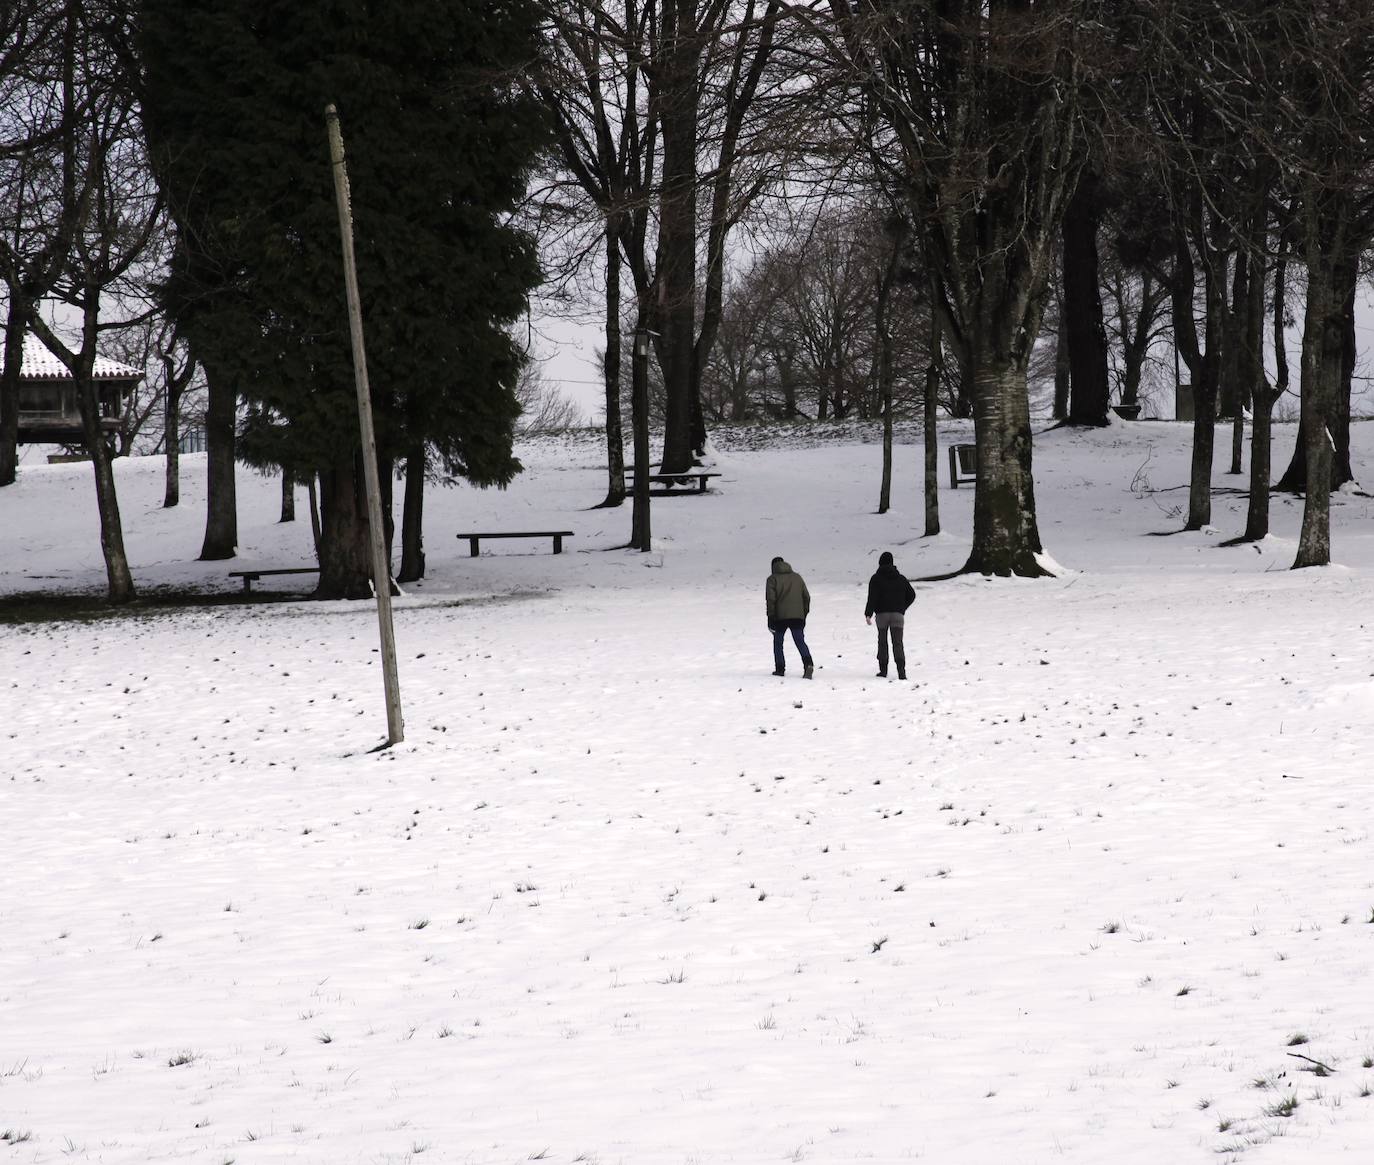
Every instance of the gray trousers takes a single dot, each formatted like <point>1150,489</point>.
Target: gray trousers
<point>891,623</point>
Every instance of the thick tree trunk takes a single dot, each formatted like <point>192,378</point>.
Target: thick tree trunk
<point>1341,469</point>
<point>13,361</point>
<point>412,518</point>
<point>1230,395</point>
<point>1322,358</point>
<point>1262,393</point>
<point>615,436</point>
<point>677,250</point>
<point>288,496</point>
<point>1294,479</point>
<point>312,494</point>
<point>386,488</point>
<point>345,552</point>
<point>1205,408</point>
<point>1006,537</point>
<point>1062,375</point>
<point>1081,321</point>
<point>221,517</point>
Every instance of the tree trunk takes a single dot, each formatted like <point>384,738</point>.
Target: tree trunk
<point>13,363</point>
<point>885,486</point>
<point>1136,346</point>
<point>931,437</point>
<point>1236,388</point>
<point>386,489</point>
<point>1081,321</point>
<point>641,526</point>
<point>221,518</point>
<point>1294,479</point>
<point>1262,393</point>
<point>615,436</point>
<point>1323,344</point>
<point>171,439</point>
<point>118,575</point>
<point>1062,375</point>
<point>312,494</point>
<point>1205,406</point>
<point>1341,469</point>
<point>288,496</point>
<point>883,335</point>
<point>1006,538</point>
<point>345,551</point>
<point>677,250</point>
<point>412,518</point>
<point>787,381</point>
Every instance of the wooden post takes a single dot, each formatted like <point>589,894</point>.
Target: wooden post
<point>381,568</point>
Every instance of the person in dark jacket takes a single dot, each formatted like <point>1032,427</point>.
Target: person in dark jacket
<point>889,595</point>
<point>788,603</point>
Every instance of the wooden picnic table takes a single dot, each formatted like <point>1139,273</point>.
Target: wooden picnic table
<point>673,484</point>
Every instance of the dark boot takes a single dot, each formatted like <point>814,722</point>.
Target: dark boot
<point>777,671</point>
<point>806,672</point>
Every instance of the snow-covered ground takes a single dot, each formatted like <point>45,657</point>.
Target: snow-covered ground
<point>1094,886</point>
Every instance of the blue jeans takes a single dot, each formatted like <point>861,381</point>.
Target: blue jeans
<point>798,629</point>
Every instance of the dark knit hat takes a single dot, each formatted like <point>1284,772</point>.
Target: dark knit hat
<point>885,558</point>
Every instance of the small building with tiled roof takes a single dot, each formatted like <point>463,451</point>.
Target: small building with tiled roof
<point>48,411</point>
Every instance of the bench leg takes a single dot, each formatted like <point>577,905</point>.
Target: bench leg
<point>472,547</point>
<point>247,585</point>
<point>558,543</point>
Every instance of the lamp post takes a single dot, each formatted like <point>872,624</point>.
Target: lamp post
<point>640,538</point>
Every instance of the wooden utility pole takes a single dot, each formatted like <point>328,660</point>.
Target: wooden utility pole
<point>381,568</point>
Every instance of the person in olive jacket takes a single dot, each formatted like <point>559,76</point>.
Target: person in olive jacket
<point>788,602</point>
<point>889,595</point>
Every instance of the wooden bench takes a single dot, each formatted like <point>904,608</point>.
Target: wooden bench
<point>556,535</point>
<point>251,576</point>
<point>672,483</point>
<point>963,464</point>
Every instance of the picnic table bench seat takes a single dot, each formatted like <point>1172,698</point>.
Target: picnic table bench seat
<point>251,576</point>
<point>474,540</point>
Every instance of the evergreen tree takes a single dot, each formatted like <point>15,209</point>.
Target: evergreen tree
<point>439,142</point>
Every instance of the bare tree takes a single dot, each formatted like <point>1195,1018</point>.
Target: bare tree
<point>37,51</point>
<point>666,116</point>
<point>980,110</point>
<point>1332,154</point>
<point>543,409</point>
<point>104,193</point>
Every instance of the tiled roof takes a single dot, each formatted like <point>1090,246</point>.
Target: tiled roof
<point>40,364</point>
